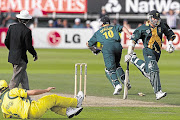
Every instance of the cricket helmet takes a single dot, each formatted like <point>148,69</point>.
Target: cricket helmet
<point>156,15</point>
<point>3,85</point>
<point>105,20</point>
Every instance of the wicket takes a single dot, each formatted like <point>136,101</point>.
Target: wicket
<point>80,77</point>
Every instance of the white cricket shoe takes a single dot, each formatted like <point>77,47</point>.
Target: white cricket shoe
<point>117,89</point>
<point>71,112</point>
<point>160,95</point>
<point>80,98</point>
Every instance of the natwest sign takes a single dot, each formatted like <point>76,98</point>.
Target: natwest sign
<point>59,6</point>
<point>132,6</point>
<point>144,6</point>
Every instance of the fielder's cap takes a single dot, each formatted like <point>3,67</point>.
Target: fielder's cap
<point>77,20</point>
<point>24,14</point>
<point>105,20</point>
<point>155,14</point>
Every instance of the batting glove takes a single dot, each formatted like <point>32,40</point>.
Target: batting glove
<point>128,57</point>
<point>170,48</point>
<point>96,52</point>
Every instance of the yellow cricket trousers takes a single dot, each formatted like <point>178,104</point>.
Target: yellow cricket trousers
<point>55,103</point>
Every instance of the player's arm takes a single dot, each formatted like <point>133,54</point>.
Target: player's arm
<point>38,92</point>
<point>170,36</point>
<point>90,44</point>
<point>133,40</point>
<point>6,115</point>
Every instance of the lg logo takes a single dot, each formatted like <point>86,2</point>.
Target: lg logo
<point>54,38</point>
<point>113,6</point>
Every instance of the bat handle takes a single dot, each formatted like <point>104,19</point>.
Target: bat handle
<point>127,66</point>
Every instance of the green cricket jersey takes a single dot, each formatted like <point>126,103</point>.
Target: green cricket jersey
<point>152,37</point>
<point>106,34</point>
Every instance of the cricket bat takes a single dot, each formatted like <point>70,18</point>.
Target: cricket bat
<point>126,82</point>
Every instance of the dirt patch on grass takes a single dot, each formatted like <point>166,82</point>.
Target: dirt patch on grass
<point>94,101</point>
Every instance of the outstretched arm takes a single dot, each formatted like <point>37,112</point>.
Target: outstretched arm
<point>38,92</point>
<point>90,44</point>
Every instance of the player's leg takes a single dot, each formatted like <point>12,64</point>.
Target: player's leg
<point>110,71</point>
<point>37,109</point>
<point>70,111</point>
<point>120,74</point>
<point>119,71</point>
<point>140,64</point>
<point>151,58</point>
<point>152,67</point>
<point>155,79</point>
<point>154,75</point>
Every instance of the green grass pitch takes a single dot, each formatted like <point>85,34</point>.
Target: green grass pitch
<point>55,67</point>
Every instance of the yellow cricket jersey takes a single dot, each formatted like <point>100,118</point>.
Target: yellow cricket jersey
<point>15,103</point>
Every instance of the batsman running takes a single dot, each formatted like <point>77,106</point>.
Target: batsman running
<point>108,36</point>
<point>151,35</point>
<point>15,103</point>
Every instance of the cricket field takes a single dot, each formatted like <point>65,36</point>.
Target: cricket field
<point>55,67</point>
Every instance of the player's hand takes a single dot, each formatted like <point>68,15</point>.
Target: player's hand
<point>96,52</point>
<point>6,116</point>
<point>127,57</point>
<point>35,57</point>
<point>50,88</point>
<point>170,47</point>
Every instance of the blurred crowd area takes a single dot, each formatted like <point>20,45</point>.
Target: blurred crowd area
<point>53,20</point>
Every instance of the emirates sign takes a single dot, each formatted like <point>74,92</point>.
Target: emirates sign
<point>59,6</point>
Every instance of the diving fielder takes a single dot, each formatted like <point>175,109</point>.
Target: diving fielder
<point>109,37</point>
<point>151,35</point>
<point>15,103</point>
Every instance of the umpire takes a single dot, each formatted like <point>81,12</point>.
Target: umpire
<point>18,41</point>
